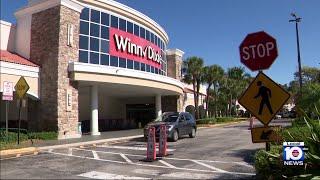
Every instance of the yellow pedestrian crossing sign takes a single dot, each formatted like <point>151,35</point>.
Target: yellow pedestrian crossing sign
<point>21,87</point>
<point>264,98</point>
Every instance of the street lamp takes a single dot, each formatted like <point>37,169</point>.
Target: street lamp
<point>296,20</point>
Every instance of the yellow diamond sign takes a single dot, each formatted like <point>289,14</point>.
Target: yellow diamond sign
<point>264,98</point>
<point>21,87</point>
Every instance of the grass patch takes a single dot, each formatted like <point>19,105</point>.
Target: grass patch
<point>219,120</point>
<point>10,140</point>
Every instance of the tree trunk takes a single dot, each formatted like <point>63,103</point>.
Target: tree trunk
<point>230,107</point>
<point>194,98</point>
<point>207,100</point>
<point>215,100</point>
<point>198,88</point>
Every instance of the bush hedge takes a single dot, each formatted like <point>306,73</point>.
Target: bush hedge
<point>218,120</point>
<point>12,137</point>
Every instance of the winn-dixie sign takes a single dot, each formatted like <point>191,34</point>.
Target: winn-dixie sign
<point>126,45</point>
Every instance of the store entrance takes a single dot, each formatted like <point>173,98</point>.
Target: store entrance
<point>143,113</point>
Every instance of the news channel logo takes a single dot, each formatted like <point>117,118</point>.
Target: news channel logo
<point>293,153</point>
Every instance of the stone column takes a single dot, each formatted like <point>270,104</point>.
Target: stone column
<point>158,105</point>
<point>94,111</point>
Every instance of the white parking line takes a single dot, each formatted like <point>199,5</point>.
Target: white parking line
<point>102,175</point>
<point>125,158</point>
<point>70,152</point>
<point>50,150</point>
<point>129,148</point>
<point>208,166</point>
<point>167,164</point>
<point>151,165</point>
<point>95,155</point>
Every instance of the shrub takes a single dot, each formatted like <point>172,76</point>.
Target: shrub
<point>206,121</point>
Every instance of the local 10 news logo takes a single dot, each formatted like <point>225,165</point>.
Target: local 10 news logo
<point>293,153</point>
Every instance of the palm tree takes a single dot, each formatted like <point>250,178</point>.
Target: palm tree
<point>236,79</point>
<point>194,75</point>
<point>211,76</point>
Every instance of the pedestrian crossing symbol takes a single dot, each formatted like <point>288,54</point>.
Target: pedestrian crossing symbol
<point>264,98</point>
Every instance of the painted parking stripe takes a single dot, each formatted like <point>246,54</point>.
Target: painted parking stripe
<point>103,175</point>
<point>126,158</point>
<point>129,148</point>
<point>95,155</point>
<point>167,164</point>
<point>156,166</point>
<point>186,175</point>
<point>70,152</point>
<point>208,166</point>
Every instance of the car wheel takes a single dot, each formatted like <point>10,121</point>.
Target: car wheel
<point>193,133</point>
<point>175,136</point>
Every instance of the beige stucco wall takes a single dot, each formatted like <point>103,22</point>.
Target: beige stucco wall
<point>7,36</point>
<point>32,82</point>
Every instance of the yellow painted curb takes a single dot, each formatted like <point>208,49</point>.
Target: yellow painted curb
<point>14,152</point>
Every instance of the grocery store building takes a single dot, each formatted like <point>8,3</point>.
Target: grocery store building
<point>99,62</point>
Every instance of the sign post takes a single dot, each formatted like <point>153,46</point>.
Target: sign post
<point>264,97</point>
<point>21,89</point>
<point>7,95</point>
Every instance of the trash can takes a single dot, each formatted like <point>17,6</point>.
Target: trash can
<point>79,128</point>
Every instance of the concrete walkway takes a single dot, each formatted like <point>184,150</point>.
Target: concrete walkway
<point>86,138</point>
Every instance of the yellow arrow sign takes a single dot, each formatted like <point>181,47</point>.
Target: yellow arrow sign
<point>264,98</point>
<point>21,87</point>
<point>265,134</point>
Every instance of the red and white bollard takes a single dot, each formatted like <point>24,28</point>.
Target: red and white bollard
<point>163,141</point>
<point>151,146</point>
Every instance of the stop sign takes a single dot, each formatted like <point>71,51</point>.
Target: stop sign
<point>258,51</point>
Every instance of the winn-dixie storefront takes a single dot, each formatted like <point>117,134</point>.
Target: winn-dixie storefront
<point>122,69</point>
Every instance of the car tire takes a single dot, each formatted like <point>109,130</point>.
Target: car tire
<point>175,136</point>
<point>193,133</point>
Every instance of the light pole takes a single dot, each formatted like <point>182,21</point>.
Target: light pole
<point>296,20</point>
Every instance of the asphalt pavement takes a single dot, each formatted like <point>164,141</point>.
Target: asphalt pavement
<point>215,153</point>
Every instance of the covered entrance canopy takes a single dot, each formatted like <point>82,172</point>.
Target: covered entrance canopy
<point>109,95</point>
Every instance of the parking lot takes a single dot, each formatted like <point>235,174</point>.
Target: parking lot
<point>220,152</point>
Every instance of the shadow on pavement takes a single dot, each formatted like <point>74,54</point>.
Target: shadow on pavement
<point>246,154</point>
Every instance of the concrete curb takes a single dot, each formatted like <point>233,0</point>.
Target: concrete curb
<point>34,150</point>
<point>18,152</point>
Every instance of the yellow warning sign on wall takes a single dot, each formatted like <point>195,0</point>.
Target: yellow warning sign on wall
<point>264,98</point>
<point>21,87</point>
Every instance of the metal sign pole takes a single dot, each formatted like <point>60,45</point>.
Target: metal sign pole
<point>7,133</point>
<point>19,123</point>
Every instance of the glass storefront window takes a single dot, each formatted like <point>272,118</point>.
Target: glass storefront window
<point>95,16</point>
<point>104,46</point>
<point>136,65</point>
<point>114,21</point>
<point>94,30</point>
<point>122,24</point>
<point>129,64</point>
<point>94,44</point>
<point>85,14</point>
<point>83,42</point>
<point>104,32</point>
<point>83,56</point>
<point>114,61</point>
<point>136,30</point>
<point>122,62</point>
<point>94,58</point>
<point>94,41</point>
<point>129,27</point>
<point>84,27</point>
<point>104,19</point>
<point>104,59</point>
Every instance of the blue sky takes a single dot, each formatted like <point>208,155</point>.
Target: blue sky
<point>214,29</point>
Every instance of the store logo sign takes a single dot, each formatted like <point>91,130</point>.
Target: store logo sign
<point>130,46</point>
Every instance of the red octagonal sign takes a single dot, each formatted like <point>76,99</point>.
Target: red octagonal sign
<point>258,51</point>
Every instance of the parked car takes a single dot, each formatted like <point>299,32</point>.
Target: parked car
<point>278,116</point>
<point>178,124</point>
